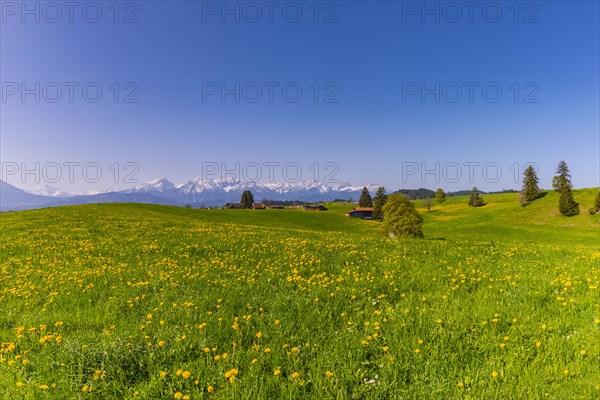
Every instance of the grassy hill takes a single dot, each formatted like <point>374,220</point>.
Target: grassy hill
<point>125,301</point>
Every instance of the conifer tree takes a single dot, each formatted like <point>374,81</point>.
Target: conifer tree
<point>530,184</point>
<point>378,202</point>
<point>562,178</point>
<point>247,199</point>
<point>365,199</point>
<point>474,199</point>
<point>566,203</point>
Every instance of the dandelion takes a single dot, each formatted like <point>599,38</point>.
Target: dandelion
<point>495,374</point>
<point>19,384</point>
<point>566,372</point>
<point>328,374</point>
<point>460,384</point>
<point>259,335</point>
<point>295,375</point>
<point>386,348</point>
<point>178,395</point>
<point>161,343</point>
<point>163,374</point>
<point>43,387</point>
<point>582,352</point>
<point>210,389</point>
<point>276,372</point>
<point>439,321</point>
<point>85,388</point>
<point>538,343</point>
<point>186,374</point>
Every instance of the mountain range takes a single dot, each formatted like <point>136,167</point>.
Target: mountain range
<point>196,192</point>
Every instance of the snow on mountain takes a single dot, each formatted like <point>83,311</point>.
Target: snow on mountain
<point>159,185</point>
<point>219,191</point>
<point>50,191</point>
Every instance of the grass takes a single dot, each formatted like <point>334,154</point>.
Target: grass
<point>142,301</point>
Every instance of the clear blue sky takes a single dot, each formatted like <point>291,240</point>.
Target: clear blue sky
<point>372,57</point>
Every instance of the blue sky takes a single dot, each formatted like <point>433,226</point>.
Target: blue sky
<point>369,63</point>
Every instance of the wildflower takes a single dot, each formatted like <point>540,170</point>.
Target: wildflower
<point>566,372</point>
<point>161,343</point>
<point>439,321</point>
<point>178,395</point>
<point>386,348</point>
<point>495,374</point>
<point>295,375</point>
<point>460,384</point>
<point>19,384</point>
<point>43,387</point>
<point>186,374</point>
<point>210,389</point>
<point>538,343</point>
<point>277,372</point>
<point>163,374</point>
<point>259,335</point>
<point>328,374</point>
<point>85,388</point>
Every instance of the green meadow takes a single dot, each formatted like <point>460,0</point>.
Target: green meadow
<point>125,301</point>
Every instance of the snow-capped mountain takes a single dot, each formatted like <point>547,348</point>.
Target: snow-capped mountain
<point>50,191</point>
<point>196,192</point>
<point>220,191</point>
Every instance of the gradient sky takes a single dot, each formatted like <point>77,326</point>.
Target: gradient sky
<point>370,53</point>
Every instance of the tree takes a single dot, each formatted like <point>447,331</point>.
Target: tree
<point>566,203</point>
<point>562,178</point>
<point>400,218</point>
<point>378,202</point>
<point>530,184</point>
<point>475,200</point>
<point>365,199</point>
<point>247,199</point>
<point>440,196</point>
<point>597,201</point>
<point>427,203</point>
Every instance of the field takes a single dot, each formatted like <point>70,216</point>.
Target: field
<point>121,301</point>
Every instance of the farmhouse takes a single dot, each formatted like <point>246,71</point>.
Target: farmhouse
<point>233,205</point>
<point>315,208</point>
<point>276,207</point>
<point>360,212</point>
<point>258,206</point>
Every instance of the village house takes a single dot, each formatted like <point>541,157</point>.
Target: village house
<point>315,208</point>
<point>258,206</point>
<point>233,205</point>
<point>360,212</point>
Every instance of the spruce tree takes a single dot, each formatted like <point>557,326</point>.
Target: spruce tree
<point>378,202</point>
<point>474,199</point>
<point>440,196</point>
<point>401,218</point>
<point>247,199</point>
<point>365,199</point>
<point>530,184</point>
<point>562,178</point>
<point>566,203</point>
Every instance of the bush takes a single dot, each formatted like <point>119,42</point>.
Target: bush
<point>401,218</point>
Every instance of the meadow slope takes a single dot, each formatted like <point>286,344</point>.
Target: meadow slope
<point>142,301</point>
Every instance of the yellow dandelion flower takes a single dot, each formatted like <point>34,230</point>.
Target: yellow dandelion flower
<point>276,372</point>
<point>495,374</point>
<point>295,375</point>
